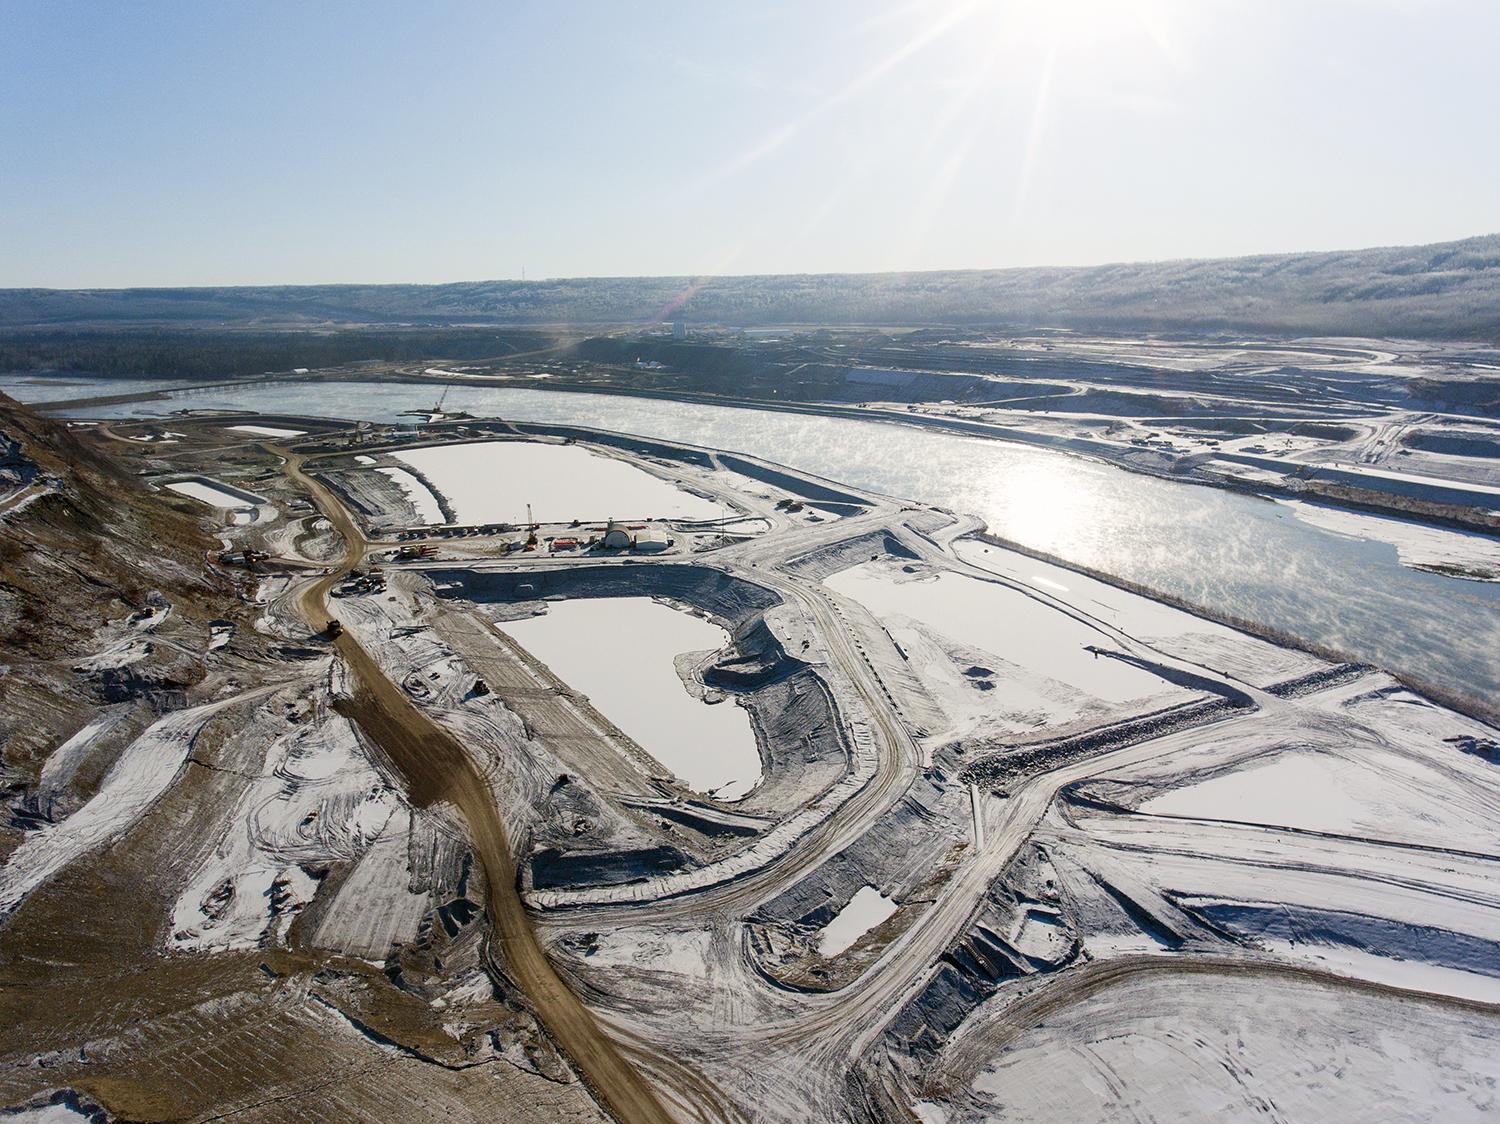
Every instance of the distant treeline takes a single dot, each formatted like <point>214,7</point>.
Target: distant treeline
<point>206,353</point>
<point>1449,291</point>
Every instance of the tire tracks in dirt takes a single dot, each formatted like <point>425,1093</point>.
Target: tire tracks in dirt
<point>438,769</point>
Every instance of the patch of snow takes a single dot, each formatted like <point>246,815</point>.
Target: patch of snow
<point>863,912</point>
<point>1293,790</point>
<point>26,501</point>
<point>1414,478</point>
<point>45,1114</point>
<point>1161,625</point>
<point>268,431</point>
<point>1409,975</point>
<point>1036,667</point>
<point>142,773</point>
<point>1041,936</point>
<point>63,762</point>
<point>319,800</point>
<point>1225,1048</point>
<point>655,949</point>
<point>376,906</point>
<point>418,493</point>
<point>1104,945</point>
<point>1372,794</point>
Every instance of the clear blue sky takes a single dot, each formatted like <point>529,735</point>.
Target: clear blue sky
<point>161,143</point>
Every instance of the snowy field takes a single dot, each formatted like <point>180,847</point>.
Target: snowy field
<point>1237,1047</point>
<point>420,495</point>
<point>996,657</point>
<point>620,652</point>
<point>1413,478</point>
<point>493,481</point>
<point>1354,831</point>
<point>1159,625</point>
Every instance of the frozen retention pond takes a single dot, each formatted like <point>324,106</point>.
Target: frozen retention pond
<point>267,431</point>
<point>865,910</point>
<point>213,495</point>
<point>493,481</point>
<point>620,652</point>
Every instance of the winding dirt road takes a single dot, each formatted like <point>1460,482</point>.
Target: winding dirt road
<point>437,768</point>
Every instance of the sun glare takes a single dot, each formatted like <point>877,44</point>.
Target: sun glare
<point>1078,26</point>
<point>1057,18</point>
<point>1043,507</point>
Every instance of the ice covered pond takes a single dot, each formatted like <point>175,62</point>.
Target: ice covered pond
<point>865,910</point>
<point>493,481</point>
<point>620,653</point>
<point>267,431</point>
<point>213,494</point>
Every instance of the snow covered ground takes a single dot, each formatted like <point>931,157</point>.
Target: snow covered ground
<point>997,658</point>
<point>63,762</point>
<point>267,431</point>
<point>1159,625</point>
<point>139,776</point>
<point>1368,761</point>
<point>318,800</point>
<point>1355,830</point>
<point>493,481</point>
<point>1413,478</point>
<point>418,493</point>
<point>1294,790</point>
<point>1231,1047</point>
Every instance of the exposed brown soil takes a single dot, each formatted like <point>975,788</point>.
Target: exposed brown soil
<point>437,769</point>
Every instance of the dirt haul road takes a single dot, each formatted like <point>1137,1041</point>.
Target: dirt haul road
<point>437,768</point>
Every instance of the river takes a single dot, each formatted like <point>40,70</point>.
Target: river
<point>1235,554</point>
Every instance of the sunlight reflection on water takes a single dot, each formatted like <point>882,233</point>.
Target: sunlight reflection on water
<point>1237,554</point>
